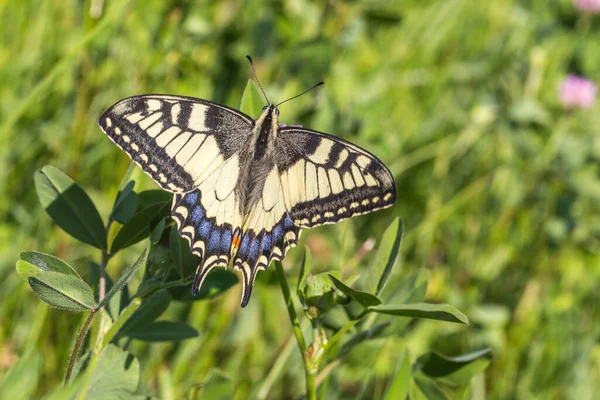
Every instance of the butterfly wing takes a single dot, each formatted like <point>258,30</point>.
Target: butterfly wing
<point>190,147</point>
<point>315,179</point>
<point>178,141</point>
<point>325,179</point>
<point>267,233</point>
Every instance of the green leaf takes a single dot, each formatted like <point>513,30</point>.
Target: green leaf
<point>47,262</point>
<point>178,247</point>
<point>149,311</point>
<point>216,282</point>
<point>252,100</point>
<point>319,292</point>
<point>137,228</point>
<point>185,262</point>
<point>401,382</point>
<point>305,268</point>
<point>429,388</point>
<point>363,298</point>
<point>63,291</point>
<point>155,196</point>
<point>157,232</point>
<point>374,332</point>
<point>125,205</point>
<point>116,375</point>
<point>163,331</point>
<point>125,276</point>
<point>455,370</point>
<point>440,312</point>
<point>385,259</point>
<point>70,206</point>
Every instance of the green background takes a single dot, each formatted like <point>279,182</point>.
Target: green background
<point>498,185</point>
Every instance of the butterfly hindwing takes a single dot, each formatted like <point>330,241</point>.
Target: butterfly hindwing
<point>267,233</point>
<point>209,237</point>
<point>178,141</point>
<point>326,180</point>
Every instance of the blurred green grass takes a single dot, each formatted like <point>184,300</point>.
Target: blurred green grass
<point>499,187</point>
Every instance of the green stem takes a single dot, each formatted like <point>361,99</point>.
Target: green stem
<point>285,289</point>
<point>311,374</point>
<point>311,385</point>
<point>103,341</point>
<point>78,342</point>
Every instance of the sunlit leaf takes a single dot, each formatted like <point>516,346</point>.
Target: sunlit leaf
<point>69,206</point>
<point>62,291</point>
<point>440,312</point>
<point>47,262</point>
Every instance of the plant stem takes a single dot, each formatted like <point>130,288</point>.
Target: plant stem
<point>311,373</point>
<point>311,385</point>
<point>103,341</point>
<point>78,342</point>
<point>290,308</point>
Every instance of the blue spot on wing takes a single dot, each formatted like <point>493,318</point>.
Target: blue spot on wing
<point>191,198</point>
<point>244,247</point>
<point>278,233</point>
<point>204,229</point>
<point>226,240</point>
<point>214,241</point>
<point>266,243</point>
<point>254,248</point>
<point>197,214</point>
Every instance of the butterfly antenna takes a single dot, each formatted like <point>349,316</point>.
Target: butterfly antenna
<point>257,81</point>
<point>298,95</point>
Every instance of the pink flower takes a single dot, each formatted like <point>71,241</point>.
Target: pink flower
<point>577,92</point>
<point>588,6</point>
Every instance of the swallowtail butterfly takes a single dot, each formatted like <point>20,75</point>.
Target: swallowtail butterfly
<point>244,188</point>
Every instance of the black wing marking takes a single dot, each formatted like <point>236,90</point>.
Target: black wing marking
<point>178,141</point>
<point>326,179</point>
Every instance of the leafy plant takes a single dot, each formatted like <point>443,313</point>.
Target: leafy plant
<point>341,316</point>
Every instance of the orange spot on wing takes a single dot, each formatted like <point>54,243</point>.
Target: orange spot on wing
<point>236,241</point>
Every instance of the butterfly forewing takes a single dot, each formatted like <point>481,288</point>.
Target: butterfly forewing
<point>178,141</point>
<point>326,180</point>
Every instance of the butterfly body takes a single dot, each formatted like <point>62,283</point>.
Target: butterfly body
<point>243,188</point>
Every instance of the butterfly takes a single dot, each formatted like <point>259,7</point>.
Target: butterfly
<point>243,189</point>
